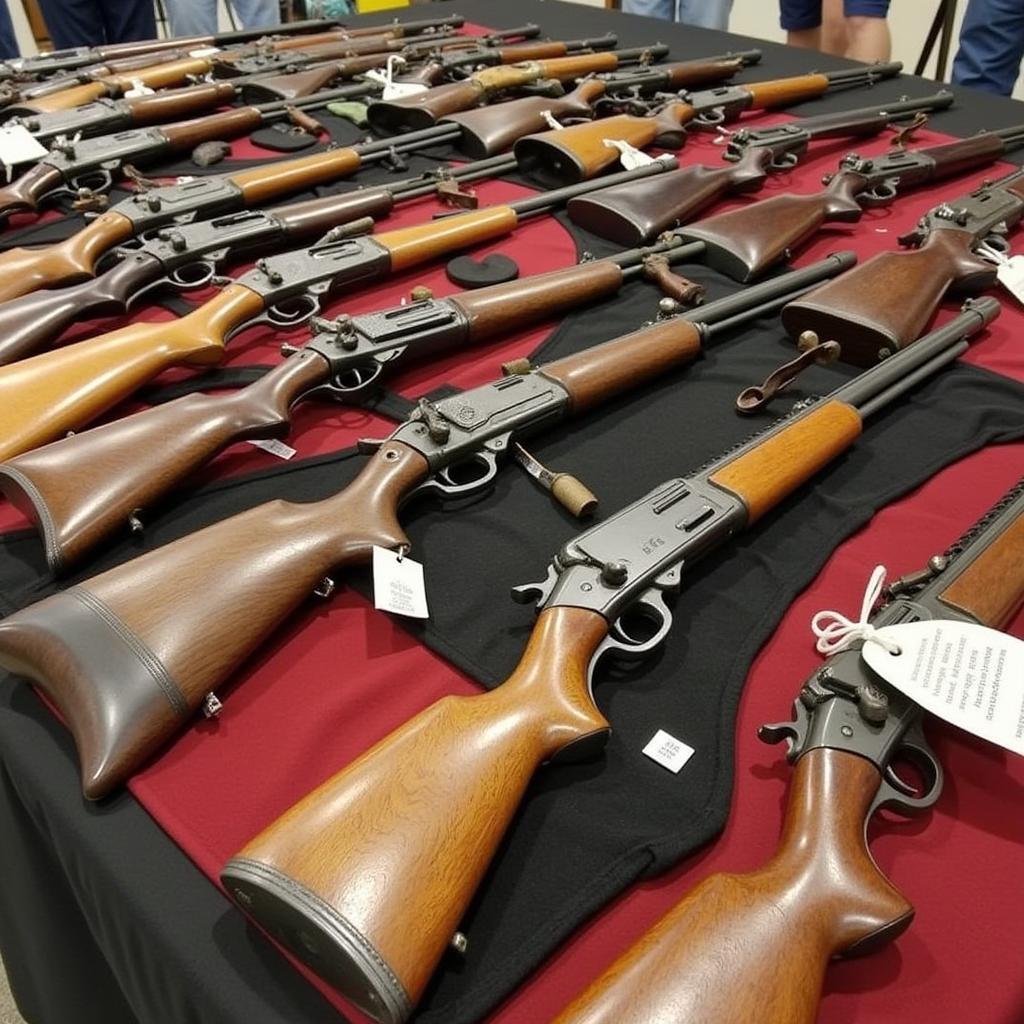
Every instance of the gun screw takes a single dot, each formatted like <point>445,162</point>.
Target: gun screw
<point>212,705</point>
<point>288,349</point>
<point>846,731</point>
<point>135,524</point>
<point>459,942</point>
<point>614,574</point>
<point>516,368</point>
<point>324,588</point>
<point>421,293</point>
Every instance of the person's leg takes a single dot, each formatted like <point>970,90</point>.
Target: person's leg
<point>192,17</point>
<point>802,21</point>
<point>257,13</point>
<point>665,9</point>
<point>991,46</point>
<point>127,20</point>
<point>867,30</point>
<point>8,40</point>
<point>73,23</point>
<point>834,37</point>
<point>705,13</point>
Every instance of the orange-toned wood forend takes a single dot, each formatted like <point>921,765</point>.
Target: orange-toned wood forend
<point>780,464</point>
<point>741,949</point>
<point>421,242</point>
<point>991,589</point>
<point>398,842</point>
<point>259,184</point>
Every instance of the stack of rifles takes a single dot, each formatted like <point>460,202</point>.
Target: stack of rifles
<point>129,656</point>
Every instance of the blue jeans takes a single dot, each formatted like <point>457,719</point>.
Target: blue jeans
<point>705,13</point>
<point>991,46</point>
<point>95,22</point>
<point>199,17</point>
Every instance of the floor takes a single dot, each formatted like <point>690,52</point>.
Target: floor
<point>8,1012</point>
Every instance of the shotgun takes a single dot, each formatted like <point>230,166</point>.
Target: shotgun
<point>432,801</point>
<point>886,304</point>
<point>132,463</point>
<point>43,397</point>
<point>128,669</point>
<point>579,150</point>
<point>44,64</point>
<point>744,243</point>
<point>91,164</point>
<point>755,946</point>
<point>637,215</point>
<point>76,257</point>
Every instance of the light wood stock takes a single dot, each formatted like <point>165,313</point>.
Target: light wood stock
<point>883,305</point>
<point>398,843</point>
<point>764,476</point>
<point>597,374</point>
<point>81,489</point>
<point>261,184</point>
<point>66,99</point>
<point>991,589</point>
<point>44,397</point>
<point>414,245</point>
<point>754,947</point>
<point>25,270</point>
<point>783,91</point>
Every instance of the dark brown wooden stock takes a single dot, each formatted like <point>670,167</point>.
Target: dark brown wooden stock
<point>233,583</point>
<point>597,374</point>
<point>175,103</point>
<point>883,305</point>
<point>754,947</point>
<point>312,80</point>
<point>690,74</point>
<point>493,129</point>
<point>762,477</point>
<point>639,211</point>
<point>406,833</point>
<point>744,243</point>
<point>80,489</point>
<point>225,125</point>
<point>24,270</point>
<point>966,154</point>
<point>27,189</point>
<point>991,589</point>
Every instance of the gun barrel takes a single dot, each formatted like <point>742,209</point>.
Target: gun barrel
<point>863,75</point>
<point>632,260</point>
<point>427,184</point>
<point>317,99</point>
<point>883,383</point>
<point>1011,136</point>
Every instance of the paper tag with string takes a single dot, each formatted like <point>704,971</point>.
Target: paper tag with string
<point>966,674</point>
<point>398,584</point>
<point>629,156</point>
<point>551,121</point>
<point>274,447</point>
<point>1009,269</point>
<point>19,146</point>
<point>394,90</point>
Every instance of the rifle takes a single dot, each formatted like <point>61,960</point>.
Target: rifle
<point>633,216</point>
<point>744,243</point>
<point>187,255</point>
<point>277,553</point>
<point>580,150</point>
<point>906,287</point>
<point>433,799</point>
<point>76,257</point>
<point>492,128</point>
<point>45,396</point>
<point>755,946</point>
<point>424,109</point>
<point>89,165</point>
<point>134,462</point>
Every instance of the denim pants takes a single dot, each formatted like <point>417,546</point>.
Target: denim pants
<point>199,17</point>
<point>991,46</point>
<point>95,22</point>
<point>705,13</point>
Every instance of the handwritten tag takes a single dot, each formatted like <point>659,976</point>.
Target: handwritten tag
<point>667,751</point>
<point>968,675</point>
<point>17,146</point>
<point>398,584</point>
<point>1011,276</point>
<point>275,447</point>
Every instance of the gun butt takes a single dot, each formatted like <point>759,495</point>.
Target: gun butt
<point>751,947</point>
<point>432,802</point>
<point>883,305</point>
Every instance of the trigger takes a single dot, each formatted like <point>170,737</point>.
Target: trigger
<point>898,784</point>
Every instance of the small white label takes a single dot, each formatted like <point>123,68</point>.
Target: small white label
<point>968,675</point>
<point>394,90</point>
<point>1011,276</point>
<point>669,752</point>
<point>17,146</point>
<point>398,584</point>
<point>629,156</point>
<point>275,447</point>
<point>139,88</point>
<point>204,51</point>
<point>551,121</point>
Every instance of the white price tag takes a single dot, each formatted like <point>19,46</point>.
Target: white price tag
<point>138,89</point>
<point>204,51</point>
<point>17,146</point>
<point>275,447</point>
<point>394,90</point>
<point>629,156</point>
<point>969,675</point>
<point>398,584</point>
<point>1011,276</point>
<point>667,751</point>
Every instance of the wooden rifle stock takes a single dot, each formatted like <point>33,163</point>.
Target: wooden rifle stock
<point>50,394</point>
<point>754,947</point>
<point>883,305</point>
<point>124,700</point>
<point>639,211</point>
<point>431,802</point>
<point>134,461</point>
<point>174,103</point>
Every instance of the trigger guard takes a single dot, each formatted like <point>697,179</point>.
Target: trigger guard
<point>104,181</point>
<point>306,307</point>
<point>710,118</point>
<point>784,162</point>
<point>998,242</point>
<point>184,284</point>
<point>618,639</point>
<point>447,488</point>
<point>896,795</point>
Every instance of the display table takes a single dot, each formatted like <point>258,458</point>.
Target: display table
<point>104,918</point>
